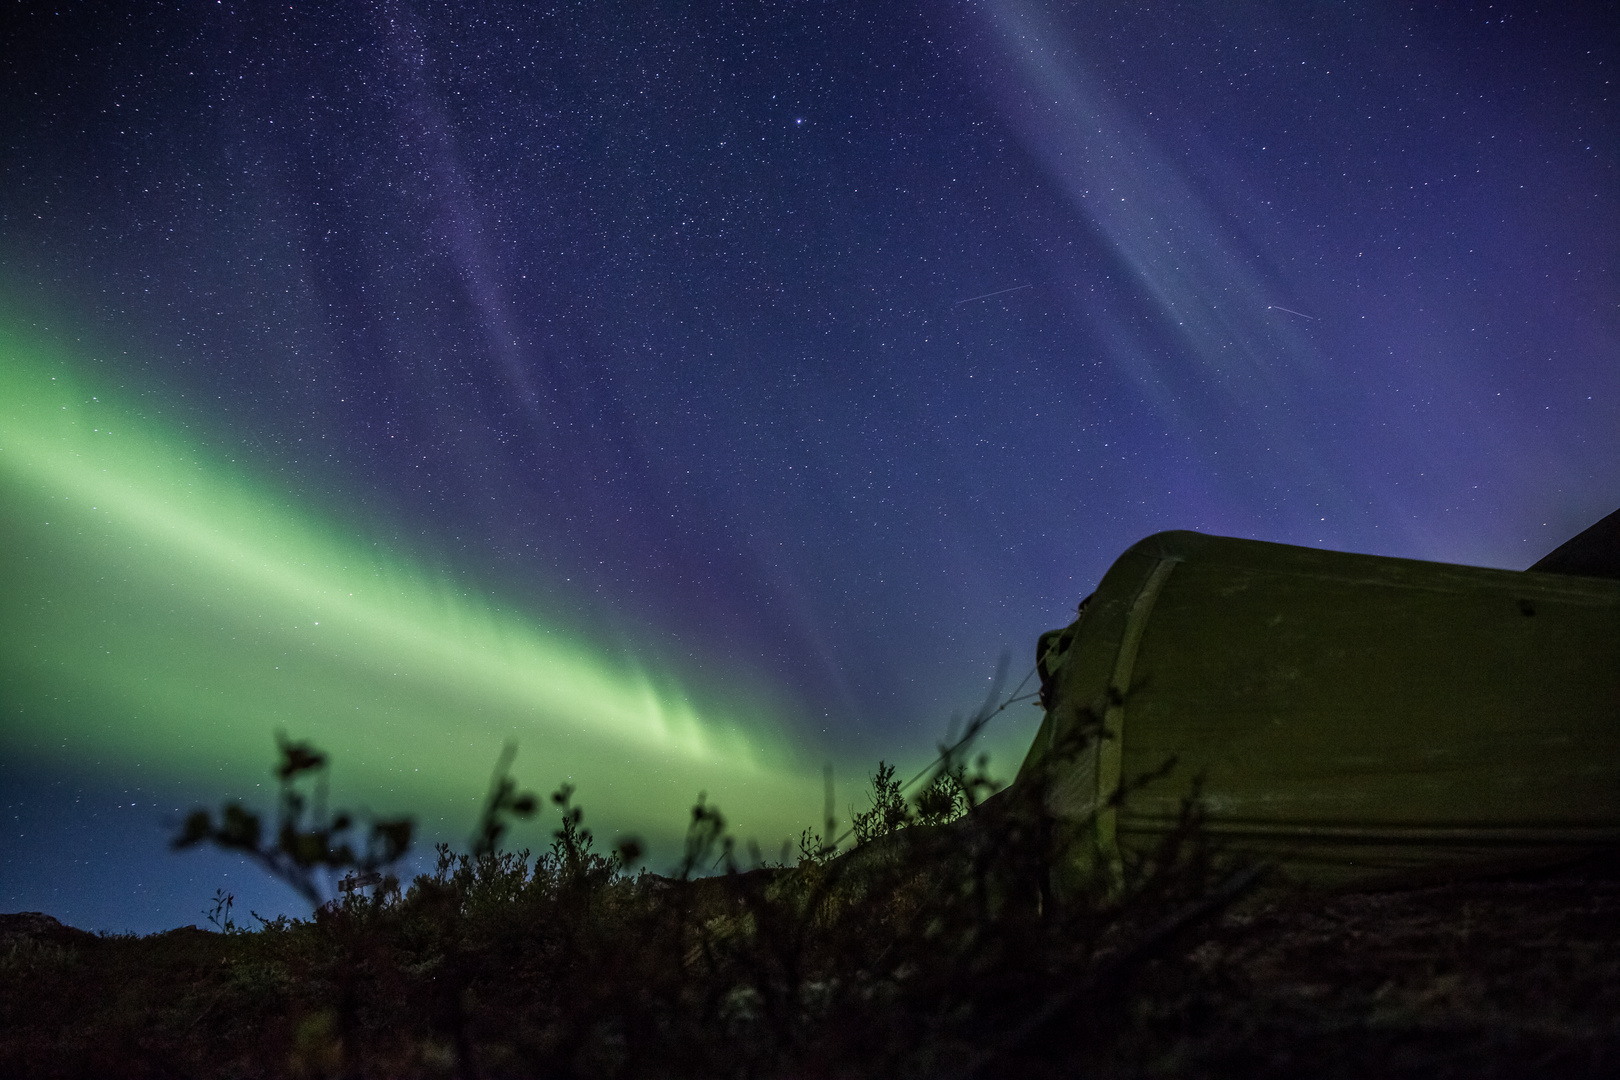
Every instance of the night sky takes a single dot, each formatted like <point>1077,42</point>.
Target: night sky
<point>699,394</point>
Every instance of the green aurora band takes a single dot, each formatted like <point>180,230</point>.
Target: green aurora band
<point>163,615</point>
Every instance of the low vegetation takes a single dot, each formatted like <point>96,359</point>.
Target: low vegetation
<point>942,944</point>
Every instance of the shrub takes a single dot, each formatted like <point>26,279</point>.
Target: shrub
<point>936,946</point>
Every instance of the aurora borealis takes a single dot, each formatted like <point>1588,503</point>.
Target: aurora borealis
<point>223,614</point>
<point>700,394</point>
<point>167,611</point>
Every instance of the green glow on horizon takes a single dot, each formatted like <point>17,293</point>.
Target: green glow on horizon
<point>167,612</point>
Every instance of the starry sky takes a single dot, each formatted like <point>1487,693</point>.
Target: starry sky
<point>699,394</point>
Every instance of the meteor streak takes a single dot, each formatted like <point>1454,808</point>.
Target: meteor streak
<point>988,295</point>
<point>1291,311</point>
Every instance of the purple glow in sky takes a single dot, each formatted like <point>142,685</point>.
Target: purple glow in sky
<point>654,317</point>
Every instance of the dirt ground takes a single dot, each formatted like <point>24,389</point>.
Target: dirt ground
<point>1509,977</point>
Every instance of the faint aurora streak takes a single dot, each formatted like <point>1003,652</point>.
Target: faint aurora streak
<point>1176,246</point>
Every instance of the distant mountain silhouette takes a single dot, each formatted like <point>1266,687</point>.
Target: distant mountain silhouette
<point>37,926</point>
